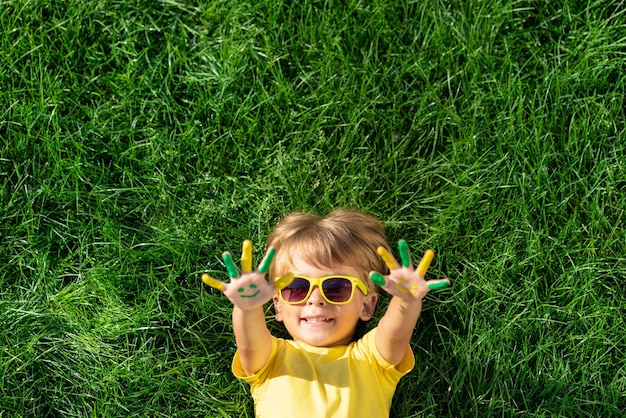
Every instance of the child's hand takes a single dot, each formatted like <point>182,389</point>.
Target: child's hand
<point>250,289</point>
<point>404,280</point>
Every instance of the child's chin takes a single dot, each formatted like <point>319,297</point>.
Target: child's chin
<point>323,340</point>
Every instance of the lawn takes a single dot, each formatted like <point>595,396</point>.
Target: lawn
<point>141,139</point>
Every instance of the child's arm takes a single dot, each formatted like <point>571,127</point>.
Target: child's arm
<point>249,292</point>
<point>408,287</point>
<point>253,338</point>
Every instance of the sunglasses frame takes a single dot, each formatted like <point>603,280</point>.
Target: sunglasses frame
<point>317,281</point>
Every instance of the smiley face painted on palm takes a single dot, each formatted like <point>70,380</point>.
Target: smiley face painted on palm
<point>403,284</point>
<point>252,293</point>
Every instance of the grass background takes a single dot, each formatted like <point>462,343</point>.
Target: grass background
<point>140,139</point>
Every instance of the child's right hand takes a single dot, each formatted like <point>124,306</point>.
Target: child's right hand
<point>249,289</point>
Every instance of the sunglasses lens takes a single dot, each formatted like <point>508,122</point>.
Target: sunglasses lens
<point>296,291</point>
<point>337,289</point>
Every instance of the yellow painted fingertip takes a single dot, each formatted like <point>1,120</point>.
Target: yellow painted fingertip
<point>422,268</point>
<point>387,258</point>
<point>210,281</point>
<point>283,281</point>
<point>246,256</point>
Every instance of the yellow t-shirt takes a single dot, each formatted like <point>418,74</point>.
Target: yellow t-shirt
<point>301,381</point>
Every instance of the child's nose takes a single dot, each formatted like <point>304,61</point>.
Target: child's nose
<point>316,298</point>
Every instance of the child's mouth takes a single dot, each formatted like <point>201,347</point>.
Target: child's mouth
<point>316,320</point>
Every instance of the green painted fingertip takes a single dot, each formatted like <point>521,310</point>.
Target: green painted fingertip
<point>439,285</point>
<point>377,279</point>
<point>265,266</point>
<point>405,257</point>
<point>233,273</point>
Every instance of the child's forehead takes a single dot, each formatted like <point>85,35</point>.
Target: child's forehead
<point>302,261</point>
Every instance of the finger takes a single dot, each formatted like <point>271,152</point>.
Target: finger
<point>283,281</point>
<point>267,261</point>
<point>387,258</point>
<point>438,284</point>
<point>246,256</point>
<point>377,278</point>
<point>214,283</point>
<point>405,257</point>
<point>422,268</point>
<point>230,265</point>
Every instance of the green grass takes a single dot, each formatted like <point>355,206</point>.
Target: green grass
<point>140,139</point>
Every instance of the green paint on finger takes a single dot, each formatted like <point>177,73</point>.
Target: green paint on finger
<point>377,279</point>
<point>265,266</point>
<point>439,285</point>
<point>230,265</point>
<point>405,257</point>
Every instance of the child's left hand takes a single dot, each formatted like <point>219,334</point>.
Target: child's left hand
<point>404,280</point>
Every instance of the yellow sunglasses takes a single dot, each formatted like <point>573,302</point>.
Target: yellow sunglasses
<point>336,290</point>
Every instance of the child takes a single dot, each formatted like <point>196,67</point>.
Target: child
<point>322,286</point>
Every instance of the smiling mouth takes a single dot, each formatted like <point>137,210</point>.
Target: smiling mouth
<point>252,295</point>
<point>316,320</point>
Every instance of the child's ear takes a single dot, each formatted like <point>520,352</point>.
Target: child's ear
<point>368,307</point>
<point>277,308</point>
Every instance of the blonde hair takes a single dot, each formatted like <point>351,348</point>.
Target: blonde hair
<point>343,237</point>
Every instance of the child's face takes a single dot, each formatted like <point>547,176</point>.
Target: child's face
<point>317,322</point>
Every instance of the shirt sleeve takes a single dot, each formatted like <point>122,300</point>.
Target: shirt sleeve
<point>238,371</point>
<point>406,364</point>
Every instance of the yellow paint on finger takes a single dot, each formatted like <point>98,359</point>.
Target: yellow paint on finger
<point>387,258</point>
<point>283,281</point>
<point>422,268</point>
<point>246,256</point>
<point>210,281</point>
